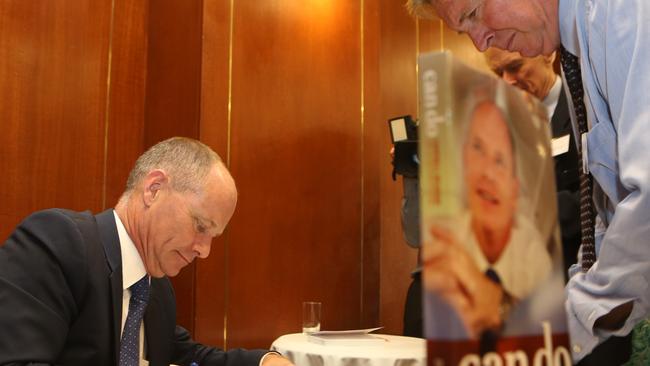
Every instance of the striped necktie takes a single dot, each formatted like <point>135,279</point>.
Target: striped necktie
<point>571,67</point>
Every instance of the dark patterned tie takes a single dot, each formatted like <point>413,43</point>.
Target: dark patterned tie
<point>571,66</point>
<point>130,343</point>
<point>488,339</point>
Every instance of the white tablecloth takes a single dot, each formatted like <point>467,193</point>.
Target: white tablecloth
<point>396,350</point>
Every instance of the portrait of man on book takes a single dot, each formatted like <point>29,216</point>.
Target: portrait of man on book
<point>492,263</point>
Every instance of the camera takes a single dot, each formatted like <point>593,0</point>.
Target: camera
<point>404,135</point>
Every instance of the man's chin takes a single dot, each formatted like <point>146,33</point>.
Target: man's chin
<point>172,272</point>
<point>167,271</point>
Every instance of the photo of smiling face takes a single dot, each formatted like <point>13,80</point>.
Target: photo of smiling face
<point>490,175</point>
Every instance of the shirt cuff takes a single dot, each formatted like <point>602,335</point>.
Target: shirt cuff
<point>583,309</point>
<point>266,354</point>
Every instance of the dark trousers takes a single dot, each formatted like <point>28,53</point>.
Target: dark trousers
<point>614,351</point>
<point>413,308</point>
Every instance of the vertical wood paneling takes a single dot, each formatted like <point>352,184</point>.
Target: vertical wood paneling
<point>52,105</point>
<point>128,54</point>
<point>398,97</point>
<point>211,294</point>
<point>295,155</point>
<point>462,48</point>
<point>373,156</point>
<point>172,106</point>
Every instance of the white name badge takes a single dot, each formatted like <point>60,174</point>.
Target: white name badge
<point>560,145</point>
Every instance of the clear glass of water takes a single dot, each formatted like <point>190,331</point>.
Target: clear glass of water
<point>311,316</point>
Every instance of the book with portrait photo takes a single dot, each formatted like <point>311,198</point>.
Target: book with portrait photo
<point>493,282</point>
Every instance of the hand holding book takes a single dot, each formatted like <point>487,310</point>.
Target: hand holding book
<point>454,276</point>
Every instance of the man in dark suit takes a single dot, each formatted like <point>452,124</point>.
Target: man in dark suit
<point>537,77</point>
<point>75,288</point>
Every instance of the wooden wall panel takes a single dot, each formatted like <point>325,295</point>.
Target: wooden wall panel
<point>373,155</point>
<point>172,105</point>
<point>173,70</point>
<point>52,105</point>
<point>398,97</point>
<point>296,136</point>
<point>128,52</point>
<point>462,48</point>
<point>211,284</point>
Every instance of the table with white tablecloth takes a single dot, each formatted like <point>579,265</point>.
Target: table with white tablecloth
<point>393,351</point>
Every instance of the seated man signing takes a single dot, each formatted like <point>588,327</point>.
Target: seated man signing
<point>75,288</point>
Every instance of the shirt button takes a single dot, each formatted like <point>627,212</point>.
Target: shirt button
<point>577,348</point>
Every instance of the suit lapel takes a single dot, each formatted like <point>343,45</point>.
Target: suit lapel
<point>561,120</point>
<point>156,322</point>
<point>110,241</point>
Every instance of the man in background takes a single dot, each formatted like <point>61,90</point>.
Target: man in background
<point>536,76</point>
<point>75,289</point>
<point>604,56</point>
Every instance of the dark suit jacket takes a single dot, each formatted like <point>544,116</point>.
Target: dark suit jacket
<point>567,182</point>
<point>61,299</point>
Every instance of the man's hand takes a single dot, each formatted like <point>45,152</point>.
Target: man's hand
<point>616,318</point>
<point>274,359</point>
<point>450,272</point>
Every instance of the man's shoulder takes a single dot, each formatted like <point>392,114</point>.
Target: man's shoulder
<point>55,227</point>
<point>58,215</point>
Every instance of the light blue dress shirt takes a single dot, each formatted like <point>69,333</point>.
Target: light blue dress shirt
<point>611,39</point>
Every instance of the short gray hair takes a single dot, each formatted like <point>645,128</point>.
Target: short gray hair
<point>421,8</point>
<point>185,160</point>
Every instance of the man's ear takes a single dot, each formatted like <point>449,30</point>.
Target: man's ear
<point>550,58</point>
<point>154,182</point>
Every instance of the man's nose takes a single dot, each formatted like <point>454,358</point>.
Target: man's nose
<point>481,36</point>
<point>202,245</point>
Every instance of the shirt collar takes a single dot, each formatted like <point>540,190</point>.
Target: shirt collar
<point>132,266</point>
<point>568,29</point>
<point>550,102</point>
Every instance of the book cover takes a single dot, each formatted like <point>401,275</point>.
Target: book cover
<point>493,283</point>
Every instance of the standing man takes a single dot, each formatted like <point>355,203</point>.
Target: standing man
<point>75,289</point>
<point>608,40</point>
<point>536,76</point>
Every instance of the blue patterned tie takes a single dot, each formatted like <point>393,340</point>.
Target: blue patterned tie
<point>130,343</point>
<point>571,66</point>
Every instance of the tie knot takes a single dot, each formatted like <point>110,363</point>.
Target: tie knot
<point>493,276</point>
<point>140,289</point>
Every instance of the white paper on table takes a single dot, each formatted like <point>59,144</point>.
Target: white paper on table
<point>341,332</point>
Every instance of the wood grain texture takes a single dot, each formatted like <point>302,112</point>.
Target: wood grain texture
<point>126,104</point>
<point>296,137</point>
<point>172,105</point>
<point>398,97</point>
<point>173,70</point>
<point>52,105</point>
<point>211,284</point>
<point>373,157</point>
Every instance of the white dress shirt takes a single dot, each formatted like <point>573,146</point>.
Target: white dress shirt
<point>550,102</point>
<point>132,271</point>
